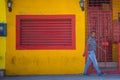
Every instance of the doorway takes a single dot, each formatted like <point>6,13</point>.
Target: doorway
<point>99,19</point>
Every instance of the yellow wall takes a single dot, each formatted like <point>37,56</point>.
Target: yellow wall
<point>2,39</point>
<point>115,52</point>
<point>29,62</point>
<point>116,10</point>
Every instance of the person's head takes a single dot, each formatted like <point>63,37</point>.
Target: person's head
<point>93,33</point>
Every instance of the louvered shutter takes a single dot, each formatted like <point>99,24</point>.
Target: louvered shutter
<point>45,32</point>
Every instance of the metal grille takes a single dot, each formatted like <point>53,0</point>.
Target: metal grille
<point>98,2</point>
<point>101,22</point>
<point>46,32</point>
<point>99,19</point>
<point>104,5</point>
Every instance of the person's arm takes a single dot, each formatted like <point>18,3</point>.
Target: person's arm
<point>86,46</point>
<point>101,48</point>
<point>98,45</point>
<point>85,50</point>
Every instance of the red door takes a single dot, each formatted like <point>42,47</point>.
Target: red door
<point>99,18</point>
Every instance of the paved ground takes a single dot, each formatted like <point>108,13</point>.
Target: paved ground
<point>63,77</point>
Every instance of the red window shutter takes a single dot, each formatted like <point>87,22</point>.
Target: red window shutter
<point>45,32</point>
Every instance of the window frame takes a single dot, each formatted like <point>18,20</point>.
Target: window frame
<point>20,47</point>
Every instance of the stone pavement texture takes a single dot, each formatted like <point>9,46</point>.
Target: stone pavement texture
<point>63,77</point>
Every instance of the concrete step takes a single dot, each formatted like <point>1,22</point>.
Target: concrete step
<point>108,64</point>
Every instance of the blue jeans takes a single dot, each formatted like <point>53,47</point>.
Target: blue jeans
<point>92,58</point>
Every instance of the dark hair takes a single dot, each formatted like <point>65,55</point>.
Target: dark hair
<point>93,32</point>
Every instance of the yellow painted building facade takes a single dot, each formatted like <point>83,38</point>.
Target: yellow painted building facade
<point>35,62</point>
<point>2,39</point>
<point>29,62</point>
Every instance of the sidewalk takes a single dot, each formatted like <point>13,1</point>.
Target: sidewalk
<point>63,77</point>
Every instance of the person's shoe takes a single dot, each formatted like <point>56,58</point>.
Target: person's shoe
<point>101,74</point>
<point>86,74</point>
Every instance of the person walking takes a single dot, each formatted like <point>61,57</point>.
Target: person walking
<point>91,43</point>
